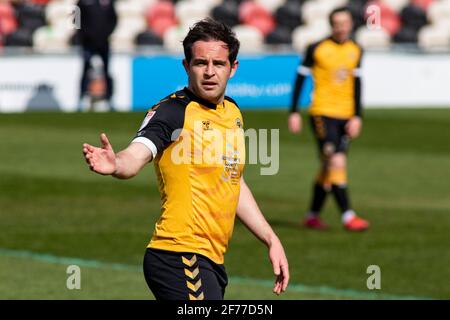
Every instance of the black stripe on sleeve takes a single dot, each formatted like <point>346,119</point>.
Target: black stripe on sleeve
<point>167,118</point>
<point>308,62</point>
<point>357,89</point>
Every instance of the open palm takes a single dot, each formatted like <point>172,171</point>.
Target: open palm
<point>100,160</point>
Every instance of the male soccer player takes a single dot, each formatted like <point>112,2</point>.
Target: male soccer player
<point>335,115</point>
<point>201,190</point>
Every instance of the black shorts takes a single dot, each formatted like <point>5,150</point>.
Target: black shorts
<point>330,135</point>
<point>183,276</point>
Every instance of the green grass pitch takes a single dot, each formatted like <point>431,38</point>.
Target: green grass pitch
<point>55,212</point>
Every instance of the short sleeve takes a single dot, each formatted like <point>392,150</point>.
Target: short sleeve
<point>308,61</point>
<point>160,125</point>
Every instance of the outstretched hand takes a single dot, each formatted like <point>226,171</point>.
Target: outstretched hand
<point>280,267</point>
<point>100,160</point>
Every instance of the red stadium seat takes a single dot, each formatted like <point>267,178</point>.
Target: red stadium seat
<point>161,25</point>
<point>43,2</point>
<point>389,18</point>
<point>161,17</point>
<point>391,24</point>
<point>253,14</point>
<point>8,23</point>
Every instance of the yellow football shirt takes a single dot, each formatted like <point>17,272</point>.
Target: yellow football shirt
<point>333,67</point>
<point>199,153</point>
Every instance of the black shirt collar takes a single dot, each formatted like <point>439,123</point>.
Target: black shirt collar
<point>196,98</point>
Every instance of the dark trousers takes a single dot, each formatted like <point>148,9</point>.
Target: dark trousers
<point>103,52</point>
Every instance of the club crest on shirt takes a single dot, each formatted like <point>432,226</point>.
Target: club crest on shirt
<point>238,123</point>
<point>206,125</point>
<point>147,118</point>
<point>341,74</point>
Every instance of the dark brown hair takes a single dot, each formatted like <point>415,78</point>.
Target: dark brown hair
<point>211,30</point>
<point>338,10</point>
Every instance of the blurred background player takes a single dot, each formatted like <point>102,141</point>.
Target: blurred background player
<point>98,21</point>
<point>335,114</point>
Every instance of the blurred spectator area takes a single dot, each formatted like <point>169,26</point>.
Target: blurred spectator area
<point>45,25</point>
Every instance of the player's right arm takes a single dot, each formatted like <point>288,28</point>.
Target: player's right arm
<point>304,70</point>
<point>158,130</point>
<point>122,165</point>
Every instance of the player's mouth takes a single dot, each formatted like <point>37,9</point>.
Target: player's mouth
<point>209,85</point>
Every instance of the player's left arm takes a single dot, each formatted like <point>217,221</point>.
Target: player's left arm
<point>354,125</point>
<point>252,217</point>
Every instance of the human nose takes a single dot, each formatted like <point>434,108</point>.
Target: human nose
<point>209,71</point>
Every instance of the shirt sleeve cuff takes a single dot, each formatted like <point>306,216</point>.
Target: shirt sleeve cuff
<point>304,71</point>
<point>357,73</point>
<point>148,143</point>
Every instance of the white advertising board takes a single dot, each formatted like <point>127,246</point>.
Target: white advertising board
<point>52,83</point>
<point>406,80</point>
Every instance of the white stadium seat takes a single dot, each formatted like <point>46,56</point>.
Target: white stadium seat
<point>146,4</point>
<point>210,3</point>
<point>438,11</point>
<point>173,38</point>
<point>397,5</point>
<point>126,31</point>
<point>335,3</point>
<point>319,9</point>
<point>250,37</point>
<point>314,10</point>
<point>434,38</point>
<point>58,12</point>
<point>303,36</point>
<point>271,5</point>
<point>48,39</point>
<point>189,12</point>
<point>373,38</point>
<point>129,8</point>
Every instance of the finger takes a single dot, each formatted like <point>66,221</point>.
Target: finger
<point>280,280</point>
<point>105,141</point>
<point>276,268</point>
<point>285,282</point>
<point>277,284</point>
<point>277,287</point>
<point>88,147</point>
<point>90,162</point>
<point>285,278</point>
